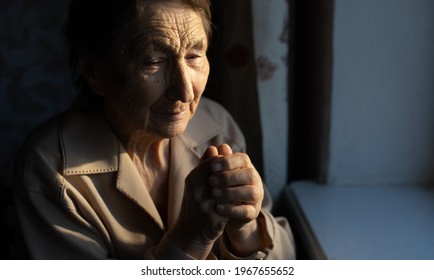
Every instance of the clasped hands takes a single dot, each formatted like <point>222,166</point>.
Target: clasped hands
<point>223,194</point>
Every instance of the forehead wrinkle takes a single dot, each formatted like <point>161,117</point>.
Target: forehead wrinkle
<point>178,32</point>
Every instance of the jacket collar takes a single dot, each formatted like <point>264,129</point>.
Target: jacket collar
<point>89,146</point>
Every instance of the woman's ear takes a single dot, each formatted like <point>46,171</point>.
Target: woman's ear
<point>90,71</point>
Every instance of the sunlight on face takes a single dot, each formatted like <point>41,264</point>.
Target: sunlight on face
<point>162,83</point>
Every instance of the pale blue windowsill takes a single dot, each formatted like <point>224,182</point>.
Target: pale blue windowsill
<point>363,222</point>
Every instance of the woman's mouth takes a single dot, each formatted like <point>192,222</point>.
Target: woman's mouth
<point>173,116</point>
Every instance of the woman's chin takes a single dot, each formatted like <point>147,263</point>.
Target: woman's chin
<point>169,131</point>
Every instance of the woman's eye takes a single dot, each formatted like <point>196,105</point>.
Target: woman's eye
<point>195,60</point>
<point>193,56</point>
<point>154,61</point>
<point>154,64</point>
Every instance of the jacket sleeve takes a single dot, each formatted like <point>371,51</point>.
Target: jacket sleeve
<point>275,229</point>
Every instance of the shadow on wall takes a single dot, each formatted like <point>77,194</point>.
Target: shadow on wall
<point>34,85</point>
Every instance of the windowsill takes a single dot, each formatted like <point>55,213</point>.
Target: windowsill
<point>366,222</point>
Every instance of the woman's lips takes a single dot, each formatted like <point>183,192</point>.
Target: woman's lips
<point>172,116</point>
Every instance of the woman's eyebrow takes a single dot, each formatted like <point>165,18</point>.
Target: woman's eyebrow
<point>166,46</point>
<point>160,45</point>
<point>198,45</point>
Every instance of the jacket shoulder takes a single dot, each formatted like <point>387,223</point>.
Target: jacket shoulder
<point>39,156</point>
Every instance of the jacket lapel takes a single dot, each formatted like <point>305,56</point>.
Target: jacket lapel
<point>90,147</point>
<point>130,184</point>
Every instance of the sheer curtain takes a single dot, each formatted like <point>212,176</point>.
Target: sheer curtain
<point>271,35</point>
<point>249,77</point>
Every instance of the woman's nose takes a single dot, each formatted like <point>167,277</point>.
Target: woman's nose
<point>180,84</point>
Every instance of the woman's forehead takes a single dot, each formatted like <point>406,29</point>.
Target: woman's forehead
<point>172,25</point>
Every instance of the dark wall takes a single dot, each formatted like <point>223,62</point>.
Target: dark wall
<point>34,85</point>
<point>310,88</point>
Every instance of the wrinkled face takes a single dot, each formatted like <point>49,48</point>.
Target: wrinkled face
<point>158,88</point>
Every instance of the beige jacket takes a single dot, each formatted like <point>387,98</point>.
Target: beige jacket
<point>79,196</point>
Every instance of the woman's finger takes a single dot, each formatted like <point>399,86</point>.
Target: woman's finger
<point>247,194</point>
<point>229,162</point>
<point>210,152</point>
<point>236,177</point>
<point>224,150</point>
<point>242,212</point>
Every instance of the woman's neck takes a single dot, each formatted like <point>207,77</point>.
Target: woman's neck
<point>139,144</point>
<point>151,157</point>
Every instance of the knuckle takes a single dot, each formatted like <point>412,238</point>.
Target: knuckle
<point>244,212</point>
<point>244,158</point>
<point>251,215</point>
<point>252,174</point>
<point>256,194</point>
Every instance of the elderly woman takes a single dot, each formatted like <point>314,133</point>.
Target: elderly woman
<point>141,166</point>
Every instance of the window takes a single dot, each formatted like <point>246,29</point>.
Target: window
<point>363,129</point>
